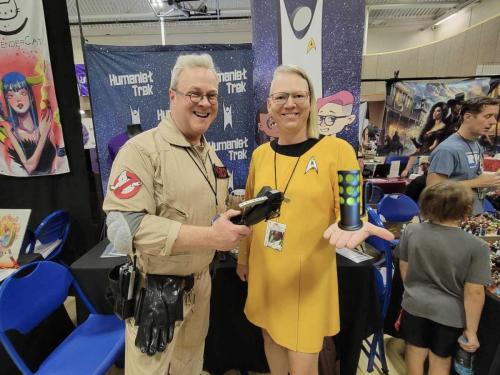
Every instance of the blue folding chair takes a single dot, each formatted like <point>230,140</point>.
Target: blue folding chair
<point>383,270</point>
<point>35,291</point>
<point>402,159</point>
<point>397,208</point>
<point>488,207</point>
<point>51,234</point>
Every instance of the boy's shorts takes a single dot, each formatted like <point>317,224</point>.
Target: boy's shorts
<point>425,333</point>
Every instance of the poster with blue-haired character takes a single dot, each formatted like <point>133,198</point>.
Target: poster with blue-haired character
<point>31,134</point>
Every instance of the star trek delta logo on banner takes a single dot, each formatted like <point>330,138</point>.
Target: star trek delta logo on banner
<point>325,38</point>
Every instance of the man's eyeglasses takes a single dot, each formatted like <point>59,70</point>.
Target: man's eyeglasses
<point>281,98</point>
<point>329,120</point>
<point>197,97</point>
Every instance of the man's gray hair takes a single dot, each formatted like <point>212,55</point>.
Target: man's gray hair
<point>191,61</point>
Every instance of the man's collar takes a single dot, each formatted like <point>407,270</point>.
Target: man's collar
<point>172,134</point>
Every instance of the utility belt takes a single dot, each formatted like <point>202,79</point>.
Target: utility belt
<point>156,304</point>
<point>127,287</point>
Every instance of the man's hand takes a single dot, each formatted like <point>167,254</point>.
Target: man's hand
<point>472,343</point>
<point>242,272</point>
<point>225,234</point>
<point>351,239</point>
<point>488,180</point>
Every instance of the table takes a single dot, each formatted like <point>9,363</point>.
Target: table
<point>390,185</point>
<point>233,342</point>
<point>488,354</point>
<point>491,164</point>
<point>91,272</point>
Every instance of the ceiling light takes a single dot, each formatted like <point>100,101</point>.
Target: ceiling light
<point>445,19</point>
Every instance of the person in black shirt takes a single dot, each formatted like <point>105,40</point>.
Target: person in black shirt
<point>416,186</point>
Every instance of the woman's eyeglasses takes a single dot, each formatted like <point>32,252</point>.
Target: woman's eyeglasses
<point>329,120</point>
<point>197,97</point>
<point>281,98</point>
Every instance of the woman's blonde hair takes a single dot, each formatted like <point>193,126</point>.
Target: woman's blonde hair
<point>203,60</point>
<point>446,201</point>
<point>312,121</point>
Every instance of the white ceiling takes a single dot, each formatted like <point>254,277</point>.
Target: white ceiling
<point>117,15</point>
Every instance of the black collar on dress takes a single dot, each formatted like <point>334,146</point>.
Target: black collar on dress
<point>296,149</point>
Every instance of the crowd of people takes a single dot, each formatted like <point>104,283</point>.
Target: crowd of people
<point>165,205</point>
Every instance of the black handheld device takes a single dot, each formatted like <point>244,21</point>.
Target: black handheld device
<point>264,206</point>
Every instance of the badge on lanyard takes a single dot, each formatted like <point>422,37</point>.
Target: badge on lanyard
<point>275,234</point>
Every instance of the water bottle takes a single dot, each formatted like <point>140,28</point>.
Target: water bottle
<point>463,363</point>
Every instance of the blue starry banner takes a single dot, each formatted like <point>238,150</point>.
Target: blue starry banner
<point>323,37</point>
<point>129,85</point>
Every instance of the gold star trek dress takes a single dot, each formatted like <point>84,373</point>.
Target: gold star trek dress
<point>292,292</point>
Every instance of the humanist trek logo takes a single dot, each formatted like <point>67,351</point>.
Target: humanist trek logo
<point>135,115</point>
<point>228,116</point>
<point>10,23</point>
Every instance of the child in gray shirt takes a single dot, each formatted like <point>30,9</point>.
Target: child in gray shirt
<point>444,270</point>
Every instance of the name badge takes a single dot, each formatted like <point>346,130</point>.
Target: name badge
<point>275,234</point>
<point>471,160</point>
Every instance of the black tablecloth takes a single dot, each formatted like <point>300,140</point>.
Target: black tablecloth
<point>359,310</point>
<point>487,360</point>
<point>232,342</point>
<point>91,272</point>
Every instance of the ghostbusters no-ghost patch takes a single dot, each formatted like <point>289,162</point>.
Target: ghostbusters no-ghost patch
<point>126,185</point>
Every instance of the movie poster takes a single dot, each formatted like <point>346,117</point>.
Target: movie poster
<point>419,115</point>
<point>31,135</point>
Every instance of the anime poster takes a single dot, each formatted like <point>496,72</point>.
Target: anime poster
<point>419,115</point>
<point>325,38</point>
<point>13,224</point>
<point>31,136</point>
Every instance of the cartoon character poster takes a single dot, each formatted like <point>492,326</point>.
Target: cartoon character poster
<point>335,113</point>
<point>31,136</point>
<point>13,224</point>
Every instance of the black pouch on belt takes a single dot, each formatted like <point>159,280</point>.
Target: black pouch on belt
<point>121,292</point>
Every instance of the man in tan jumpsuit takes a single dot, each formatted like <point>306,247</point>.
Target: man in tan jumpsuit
<point>165,187</point>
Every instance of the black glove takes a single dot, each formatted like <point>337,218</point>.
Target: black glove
<point>155,330</point>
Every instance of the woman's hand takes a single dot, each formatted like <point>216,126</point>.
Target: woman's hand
<point>351,239</point>
<point>242,272</point>
<point>45,123</point>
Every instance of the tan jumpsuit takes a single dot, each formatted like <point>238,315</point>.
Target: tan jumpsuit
<point>172,191</point>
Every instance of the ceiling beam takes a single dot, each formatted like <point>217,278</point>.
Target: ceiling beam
<point>462,5</point>
<point>449,4</point>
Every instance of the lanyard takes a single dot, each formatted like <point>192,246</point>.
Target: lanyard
<point>205,176</point>
<point>289,179</point>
